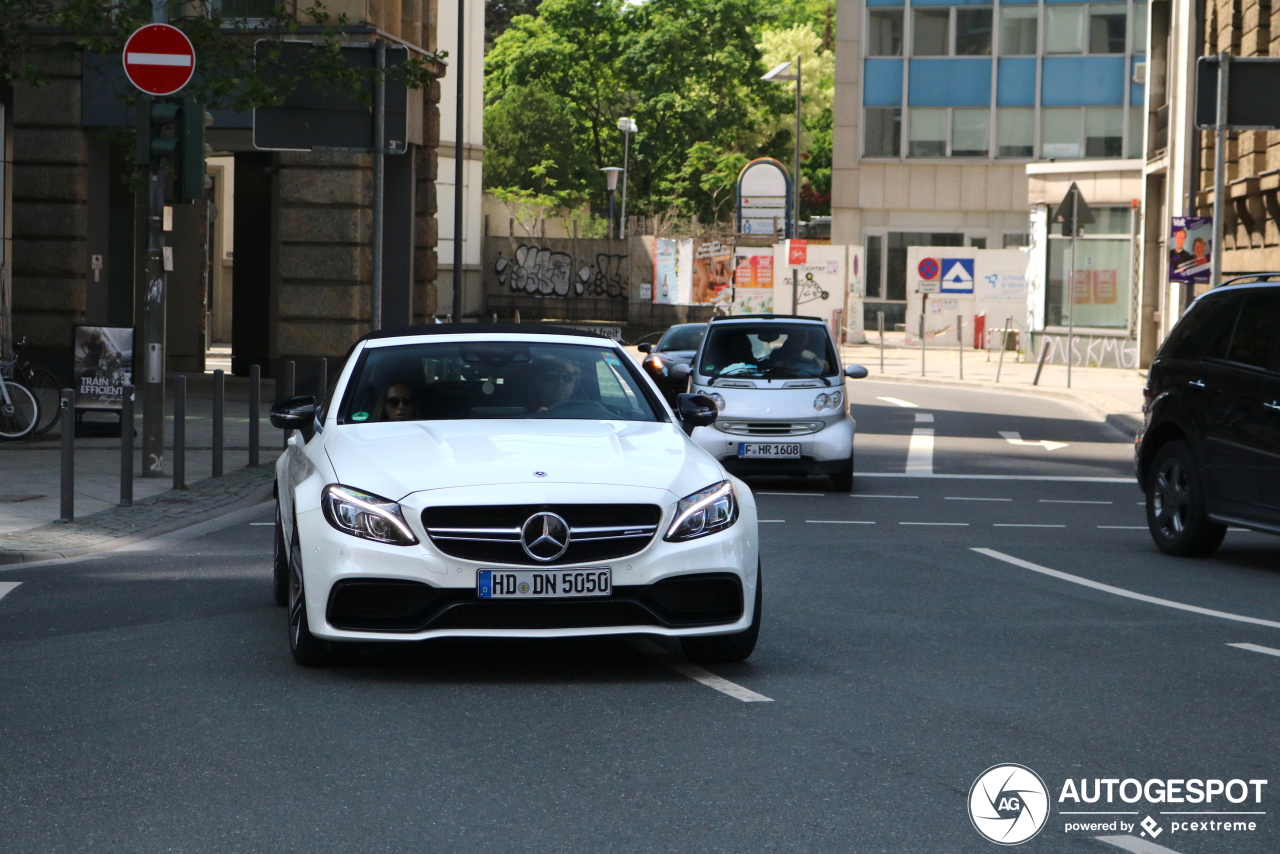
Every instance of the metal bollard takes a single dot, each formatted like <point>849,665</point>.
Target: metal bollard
<point>880,324</point>
<point>67,403</point>
<point>126,447</point>
<point>179,432</point>
<point>255,404</point>
<point>219,399</point>
<point>960,342</point>
<point>286,383</point>
<point>1004,342</point>
<point>1044,351</point>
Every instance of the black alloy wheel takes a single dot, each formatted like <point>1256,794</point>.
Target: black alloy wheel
<point>721,649</point>
<point>44,386</point>
<point>280,564</point>
<point>1176,511</point>
<point>307,649</point>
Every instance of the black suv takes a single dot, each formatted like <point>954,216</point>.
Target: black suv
<point>1208,455</point>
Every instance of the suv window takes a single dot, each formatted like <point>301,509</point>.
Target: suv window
<point>1255,341</point>
<point>1203,332</point>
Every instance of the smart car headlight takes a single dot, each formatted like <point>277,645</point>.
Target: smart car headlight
<point>719,401</point>
<point>828,401</point>
<point>364,515</point>
<point>704,512</point>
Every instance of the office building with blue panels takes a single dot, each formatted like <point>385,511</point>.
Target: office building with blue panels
<point>941,104</point>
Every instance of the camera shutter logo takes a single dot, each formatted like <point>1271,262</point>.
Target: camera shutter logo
<point>1008,804</point>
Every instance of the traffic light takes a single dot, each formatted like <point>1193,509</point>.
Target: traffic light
<point>187,120</point>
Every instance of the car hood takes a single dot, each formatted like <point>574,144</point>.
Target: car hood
<point>395,460</point>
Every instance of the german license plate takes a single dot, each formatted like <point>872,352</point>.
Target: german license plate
<point>543,583</point>
<point>769,450</point>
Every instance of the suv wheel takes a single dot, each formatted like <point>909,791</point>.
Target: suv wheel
<point>1176,511</point>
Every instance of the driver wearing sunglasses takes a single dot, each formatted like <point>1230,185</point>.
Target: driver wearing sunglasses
<point>557,383</point>
<point>400,403</point>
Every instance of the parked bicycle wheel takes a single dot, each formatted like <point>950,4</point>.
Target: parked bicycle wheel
<point>19,416</point>
<point>44,386</point>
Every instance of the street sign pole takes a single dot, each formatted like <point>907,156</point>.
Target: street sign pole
<point>153,326</point>
<point>1219,168</point>
<point>1071,282</point>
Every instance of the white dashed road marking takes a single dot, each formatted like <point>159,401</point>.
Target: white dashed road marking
<point>944,524</point>
<point>884,496</point>
<point>1135,845</point>
<point>1023,525</point>
<point>1071,501</point>
<point>7,587</point>
<point>1123,527</point>
<point>806,494</point>
<point>770,520</point>
<point>836,522</point>
<point>899,402</point>
<point>1253,647</point>
<point>965,498</point>
<point>697,674</point>
<point>920,452</point>
<point>924,417</point>
<point>1128,594</point>
<point>259,524</point>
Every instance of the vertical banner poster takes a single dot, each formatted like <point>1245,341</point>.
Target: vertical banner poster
<point>1190,249</point>
<point>102,365</point>
<point>665,279</point>
<point>822,273</point>
<point>753,280</point>
<point>712,273</point>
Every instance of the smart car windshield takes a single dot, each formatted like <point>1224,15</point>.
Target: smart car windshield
<point>768,350</point>
<point>492,379</point>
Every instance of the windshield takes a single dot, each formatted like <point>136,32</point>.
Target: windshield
<point>498,379</point>
<point>768,350</point>
<point>683,337</point>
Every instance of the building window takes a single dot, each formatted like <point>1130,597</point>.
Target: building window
<point>1107,28</point>
<point>973,32</point>
<point>1060,132</point>
<point>928,134</point>
<point>883,132</point>
<point>970,129</point>
<point>1140,28</point>
<point>1137,113</point>
<point>1101,283</point>
<point>896,268</point>
<point>1016,241</point>
<point>873,266</point>
<point>1018,26</point>
<point>1103,131</point>
<point>1016,127</point>
<point>932,32</point>
<point>244,9</point>
<point>884,32</point>
<point>978,242</point>
<point>1064,29</point>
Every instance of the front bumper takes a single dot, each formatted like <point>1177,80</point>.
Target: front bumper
<point>825,452</point>
<point>369,591</point>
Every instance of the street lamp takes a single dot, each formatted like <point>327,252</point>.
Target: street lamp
<point>627,126</point>
<point>611,184</point>
<point>777,75</point>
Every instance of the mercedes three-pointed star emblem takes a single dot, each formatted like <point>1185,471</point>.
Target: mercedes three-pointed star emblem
<point>545,537</point>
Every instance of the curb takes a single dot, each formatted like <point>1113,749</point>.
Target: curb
<point>1125,422</point>
<point>252,499</point>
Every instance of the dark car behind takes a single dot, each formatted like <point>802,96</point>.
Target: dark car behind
<point>677,346</point>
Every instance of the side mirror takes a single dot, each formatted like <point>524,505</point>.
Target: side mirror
<point>680,372</point>
<point>855,372</point>
<point>696,410</point>
<point>645,348</point>
<point>296,413</point>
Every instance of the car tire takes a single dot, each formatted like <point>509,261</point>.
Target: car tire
<point>280,564</point>
<point>843,481</point>
<point>1176,507</point>
<point>719,649</point>
<point>307,649</point>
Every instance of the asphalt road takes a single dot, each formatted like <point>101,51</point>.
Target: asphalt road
<point>148,701</point>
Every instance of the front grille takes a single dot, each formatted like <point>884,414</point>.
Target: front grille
<point>408,607</point>
<point>769,428</point>
<point>491,533</point>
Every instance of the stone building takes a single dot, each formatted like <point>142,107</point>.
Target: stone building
<point>299,276</point>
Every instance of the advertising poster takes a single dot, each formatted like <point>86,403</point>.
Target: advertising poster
<point>665,272</point>
<point>753,281</point>
<point>1190,249</point>
<point>822,277</point>
<point>102,365</point>
<point>712,273</point>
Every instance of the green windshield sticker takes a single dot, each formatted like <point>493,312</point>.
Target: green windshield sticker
<point>359,416</point>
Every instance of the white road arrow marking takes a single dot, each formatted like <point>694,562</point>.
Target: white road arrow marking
<point>1015,438</point>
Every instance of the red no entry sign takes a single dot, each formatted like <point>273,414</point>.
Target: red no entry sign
<point>159,59</point>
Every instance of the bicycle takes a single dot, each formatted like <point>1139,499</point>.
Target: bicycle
<point>44,386</point>
<point>19,409</point>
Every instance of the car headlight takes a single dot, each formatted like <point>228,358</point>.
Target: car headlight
<point>364,515</point>
<point>704,512</point>
<point>718,400</point>
<point>828,401</point>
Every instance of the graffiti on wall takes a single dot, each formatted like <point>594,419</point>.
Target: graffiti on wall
<point>1089,351</point>
<point>538,271</point>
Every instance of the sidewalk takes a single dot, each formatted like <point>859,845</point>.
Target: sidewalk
<point>1112,394</point>
<point>30,474</point>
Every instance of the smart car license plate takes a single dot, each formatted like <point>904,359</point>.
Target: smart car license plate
<point>544,583</point>
<point>769,450</point>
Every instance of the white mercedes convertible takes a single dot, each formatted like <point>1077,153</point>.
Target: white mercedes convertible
<point>507,481</point>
